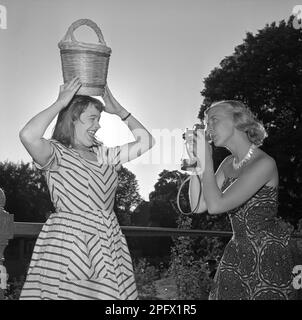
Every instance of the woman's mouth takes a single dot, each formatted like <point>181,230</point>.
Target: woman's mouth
<point>91,133</point>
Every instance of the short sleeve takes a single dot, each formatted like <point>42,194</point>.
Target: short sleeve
<point>110,156</point>
<point>55,158</point>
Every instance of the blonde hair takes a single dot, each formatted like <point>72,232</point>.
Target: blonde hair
<point>244,120</point>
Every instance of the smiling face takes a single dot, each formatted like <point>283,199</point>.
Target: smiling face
<point>219,124</point>
<point>86,126</point>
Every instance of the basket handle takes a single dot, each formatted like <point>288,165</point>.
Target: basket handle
<point>70,36</point>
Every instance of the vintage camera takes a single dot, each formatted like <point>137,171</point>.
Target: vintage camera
<point>189,160</point>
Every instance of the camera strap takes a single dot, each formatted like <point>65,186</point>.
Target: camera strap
<point>179,192</point>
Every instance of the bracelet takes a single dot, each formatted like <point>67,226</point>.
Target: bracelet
<point>129,114</point>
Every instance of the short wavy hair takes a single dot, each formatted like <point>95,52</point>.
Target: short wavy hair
<point>244,120</point>
<point>64,128</point>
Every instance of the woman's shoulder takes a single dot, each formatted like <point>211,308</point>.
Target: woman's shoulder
<point>266,166</point>
<point>59,147</point>
<point>264,159</point>
<point>57,143</point>
<point>260,160</point>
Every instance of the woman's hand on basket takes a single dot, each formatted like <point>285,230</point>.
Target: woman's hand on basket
<point>112,105</point>
<point>67,91</point>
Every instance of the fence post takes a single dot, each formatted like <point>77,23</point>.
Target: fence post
<point>6,233</point>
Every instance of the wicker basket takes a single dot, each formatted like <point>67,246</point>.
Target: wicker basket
<point>87,61</point>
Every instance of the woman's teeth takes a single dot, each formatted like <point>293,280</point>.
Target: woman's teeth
<point>91,133</point>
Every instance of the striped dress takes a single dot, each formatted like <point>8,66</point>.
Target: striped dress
<point>81,252</point>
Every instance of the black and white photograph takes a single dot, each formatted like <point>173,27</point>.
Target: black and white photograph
<point>151,151</point>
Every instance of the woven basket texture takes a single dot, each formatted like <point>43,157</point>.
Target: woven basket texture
<point>87,61</point>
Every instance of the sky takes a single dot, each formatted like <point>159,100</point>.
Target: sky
<point>161,52</point>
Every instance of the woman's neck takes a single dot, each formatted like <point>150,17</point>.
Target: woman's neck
<point>240,148</point>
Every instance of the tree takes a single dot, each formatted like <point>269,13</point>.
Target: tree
<point>265,73</point>
<point>127,196</point>
<point>26,192</point>
<point>161,212</point>
<point>163,200</point>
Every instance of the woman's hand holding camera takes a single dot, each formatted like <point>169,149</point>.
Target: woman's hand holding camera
<point>201,146</point>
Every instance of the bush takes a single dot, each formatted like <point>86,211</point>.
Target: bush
<point>192,276</point>
<point>193,280</point>
<point>14,288</point>
<point>145,275</point>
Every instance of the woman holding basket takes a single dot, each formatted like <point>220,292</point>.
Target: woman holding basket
<point>81,252</point>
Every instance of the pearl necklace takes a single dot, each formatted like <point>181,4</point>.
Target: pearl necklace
<point>246,158</point>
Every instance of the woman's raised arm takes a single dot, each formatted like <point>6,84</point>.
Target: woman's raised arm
<point>143,139</point>
<point>31,135</point>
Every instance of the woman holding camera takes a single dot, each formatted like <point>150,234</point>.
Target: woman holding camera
<point>81,252</point>
<point>257,262</point>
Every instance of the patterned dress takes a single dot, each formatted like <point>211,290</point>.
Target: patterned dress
<point>258,261</point>
<point>81,252</point>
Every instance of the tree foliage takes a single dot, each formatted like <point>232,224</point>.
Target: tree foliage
<point>265,72</point>
<point>163,205</point>
<point>127,196</point>
<point>161,211</point>
<point>26,192</point>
